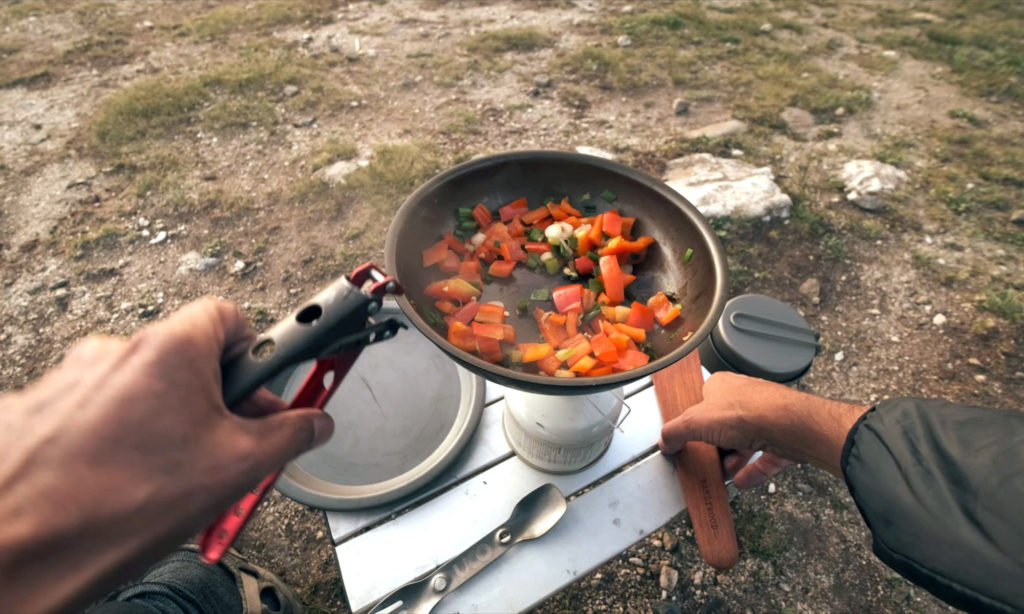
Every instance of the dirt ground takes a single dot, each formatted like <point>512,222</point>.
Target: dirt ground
<point>140,137</point>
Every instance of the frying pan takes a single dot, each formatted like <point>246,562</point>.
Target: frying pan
<point>676,225</point>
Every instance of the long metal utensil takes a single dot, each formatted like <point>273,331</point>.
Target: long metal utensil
<point>532,517</point>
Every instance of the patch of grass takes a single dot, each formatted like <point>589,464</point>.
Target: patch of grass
<point>153,109</point>
<point>983,46</point>
<point>224,20</point>
<point>104,238</point>
<point>893,150</point>
<point>1006,304</point>
<point>967,116</point>
<point>237,113</point>
<point>462,122</point>
<point>761,535</point>
<point>609,68</point>
<point>395,171</point>
<point>98,51</point>
<point>520,40</point>
<point>16,74</point>
<point>333,150</point>
<point>17,10</point>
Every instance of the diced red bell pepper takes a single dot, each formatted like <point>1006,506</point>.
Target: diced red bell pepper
<point>599,371</point>
<point>618,245</point>
<point>444,306</point>
<point>550,364</point>
<point>482,215</point>
<point>641,316</point>
<point>664,310</point>
<point>536,215</point>
<point>512,209</point>
<point>631,360</point>
<point>568,297</point>
<point>556,212</point>
<point>451,262</point>
<point>611,225</point>
<point>572,322</point>
<point>584,265</point>
<point>537,247</point>
<point>516,228</point>
<point>489,349</point>
<point>435,253</point>
<point>461,336</point>
<point>532,352</point>
<point>552,332</point>
<point>470,271</point>
<point>467,312</point>
<point>490,313</point>
<point>510,333</point>
<point>611,275</point>
<point>501,268</point>
<point>589,297</point>
<point>494,331</point>
<point>455,244</point>
<point>603,348</point>
<point>595,235</point>
<point>565,206</point>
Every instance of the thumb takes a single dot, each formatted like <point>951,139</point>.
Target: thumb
<point>284,435</point>
<point>702,422</point>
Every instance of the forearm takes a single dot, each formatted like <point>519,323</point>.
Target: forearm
<point>940,486</point>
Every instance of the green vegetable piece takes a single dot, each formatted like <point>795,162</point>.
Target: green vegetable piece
<point>688,255</point>
<point>522,305</point>
<point>533,261</point>
<point>468,225</point>
<point>497,244</point>
<point>540,294</point>
<point>514,356</point>
<point>535,234</point>
<point>553,266</point>
<point>573,242</point>
<point>595,285</point>
<point>609,196</point>
<point>464,213</point>
<point>585,198</point>
<point>565,354</point>
<point>549,199</point>
<point>593,256</point>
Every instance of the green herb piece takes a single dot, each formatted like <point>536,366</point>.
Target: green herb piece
<point>540,294</point>
<point>648,349</point>
<point>514,356</point>
<point>468,225</point>
<point>585,198</point>
<point>573,242</point>
<point>595,285</point>
<point>688,255</point>
<point>609,196</point>
<point>549,199</point>
<point>522,306</point>
<point>433,317</point>
<point>464,213</point>
<point>592,313</point>
<point>593,256</point>
<point>497,244</point>
<point>535,234</point>
<point>532,261</point>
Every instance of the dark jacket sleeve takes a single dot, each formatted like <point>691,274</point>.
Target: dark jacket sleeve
<point>941,486</point>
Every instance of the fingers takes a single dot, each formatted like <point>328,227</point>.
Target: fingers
<point>261,403</point>
<point>707,421</point>
<point>733,461</point>
<point>280,437</point>
<point>760,471</point>
<point>212,327</point>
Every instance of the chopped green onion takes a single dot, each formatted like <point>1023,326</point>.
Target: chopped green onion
<point>687,255</point>
<point>585,198</point>
<point>573,242</point>
<point>540,294</point>
<point>593,256</point>
<point>549,199</point>
<point>565,354</point>
<point>590,315</point>
<point>464,213</point>
<point>553,266</point>
<point>468,225</point>
<point>522,305</point>
<point>535,234</point>
<point>497,244</point>
<point>514,356</point>
<point>595,285</point>
<point>533,261</point>
<point>608,195</point>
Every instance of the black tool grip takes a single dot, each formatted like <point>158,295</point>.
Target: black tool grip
<point>310,331</point>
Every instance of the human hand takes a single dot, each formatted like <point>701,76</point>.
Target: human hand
<point>743,414</point>
<point>125,450</point>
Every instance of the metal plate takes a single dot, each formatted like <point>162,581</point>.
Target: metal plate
<point>403,413</point>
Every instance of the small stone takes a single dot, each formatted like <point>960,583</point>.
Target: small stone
<point>939,319</point>
<point>839,356</point>
<point>670,540</point>
<point>785,587</point>
<point>980,378</point>
<point>771,488</point>
<point>697,577</point>
<point>668,578</point>
<point>148,311</point>
<point>39,138</point>
<point>974,362</point>
<point>713,131</point>
<point>636,561</point>
<point>736,153</point>
<point>542,81</point>
<point>841,111</point>
<point>874,312</point>
<point>207,263</point>
<point>320,534</point>
<point>627,9</point>
<point>62,297</point>
<point>424,32</point>
<point>922,299</point>
<point>209,177</point>
<point>656,543</point>
<point>765,28</point>
<point>799,121</point>
<point>680,106</point>
<point>811,289</point>
<point>336,173</point>
<point>143,222</point>
<point>149,25</point>
<point>239,266</point>
<point>804,488</point>
<point>624,41</point>
<point>304,122</point>
<point>1017,217</point>
<point>60,283</point>
<point>868,202</point>
<point>290,90</point>
<point>890,53</point>
<point>159,238</point>
<point>594,151</point>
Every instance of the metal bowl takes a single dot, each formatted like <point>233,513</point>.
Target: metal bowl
<point>675,224</point>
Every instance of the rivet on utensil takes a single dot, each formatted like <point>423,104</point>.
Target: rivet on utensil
<point>504,536</point>
<point>373,308</point>
<point>390,287</point>
<point>440,583</point>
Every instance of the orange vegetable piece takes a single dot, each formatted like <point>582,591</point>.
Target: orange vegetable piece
<point>641,316</point>
<point>565,206</point>
<point>435,253</point>
<point>664,310</point>
<point>636,334</point>
<point>482,215</point>
<point>536,215</point>
<point>552,332</point>
<point>445,306</point>
<point>603,348</point>
<point>451,262</point>
<point>550,364</point>
<point>489,313</point>
<point>599,371</point>
<point>501,268</point>
<point>584,364</point>
<point>611,275</point>
<point>532,352</point>
<point>461,336</point>
<point>595,235</point>
<point>612,223</point>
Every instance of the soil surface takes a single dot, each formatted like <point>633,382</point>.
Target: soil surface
<point>141,137</point>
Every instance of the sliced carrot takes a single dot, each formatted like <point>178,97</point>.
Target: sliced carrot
<point>556,212</point>
<point>512,209</point>
<point>583,365</point>
<point>490,313</point>
<point>636,334</point>
<point>482,215</point>
<point>501,268</point>
<point>537,247</point>
<point>454,243</point>
<point>611,275</point>
<point>536,215</point>
<point>599,371</point>
<point>572,322</point>
<point>445,306</point>
<point>595,231</point>
<point>565,206</point>
<point>557,318</point>
<point>532,352</point>
<point>435,253</point>
<point>549,365</point>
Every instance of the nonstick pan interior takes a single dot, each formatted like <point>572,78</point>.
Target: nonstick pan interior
<point>700,284</point>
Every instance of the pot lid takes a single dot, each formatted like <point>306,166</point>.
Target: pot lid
<point>403,412</point>
<point>763,337</point>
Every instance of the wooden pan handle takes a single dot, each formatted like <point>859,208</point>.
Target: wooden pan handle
<point>698,466</point>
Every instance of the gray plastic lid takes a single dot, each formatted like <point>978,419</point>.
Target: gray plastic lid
<point>763,337</point>
<point>401,416</point>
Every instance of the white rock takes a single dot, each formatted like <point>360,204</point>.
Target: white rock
<point>771,488</point>
<point>939,319</point>
<point>839,356</point>
<point>719,187</point>
<point>624,41</point>
<point>765,28</point>
<point>890,53</point>
<point>159,238</point>
<point>239,265</point>
<point>713,131</point>
<point>668,579</point>
<point>981,379</point>
<point>337,172</point>
<point>594,151</point>
<point>870,177</point>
